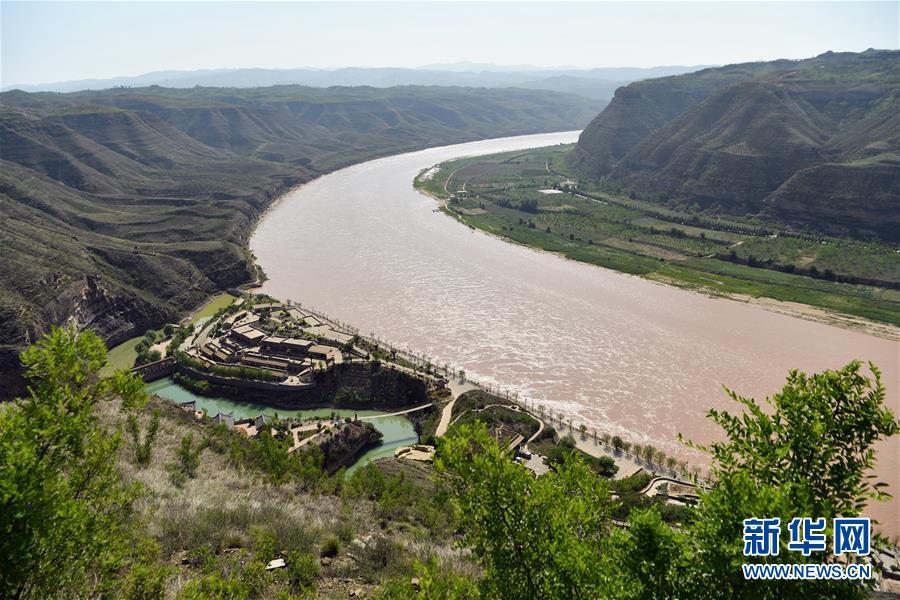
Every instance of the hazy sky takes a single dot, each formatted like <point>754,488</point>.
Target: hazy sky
<point>52,41</point>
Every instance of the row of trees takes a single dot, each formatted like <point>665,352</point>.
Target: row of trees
<point>648,453</point>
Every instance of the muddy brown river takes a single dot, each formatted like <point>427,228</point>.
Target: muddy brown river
<point>616,352</point>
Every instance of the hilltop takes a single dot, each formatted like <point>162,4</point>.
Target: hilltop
<point>812,143</point>
<point>123,208</point>
<point>597,84</point>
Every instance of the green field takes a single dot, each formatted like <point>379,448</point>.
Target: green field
<point>213,306</point>
<point>121,356</point>
<point>507,195</point>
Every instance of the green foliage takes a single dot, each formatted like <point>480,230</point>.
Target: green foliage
<point>809,455</point>
<point>331,547</point>
<point>435,583</point>
<point>189,455</point>
<point>651,557</point>
<point>382,557</point>
<point>265,542</point>
<point>602,465</point>
<point>64,510</point>
<point>215,586</point>
<point>535,538</point>
<point>303,568</point>
<point>142,448</point>
<point>146,577</point>
<point>818,434</point>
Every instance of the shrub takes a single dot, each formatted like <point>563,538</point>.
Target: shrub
<point>189,455</point>
<point>141,448</point>
<point>215,585</point>
<point>303,568</point>
<point>331,547</point>
<point>264,542</point>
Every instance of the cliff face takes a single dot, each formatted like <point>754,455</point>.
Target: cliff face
<point>814,143</point>
<point>123,208</point>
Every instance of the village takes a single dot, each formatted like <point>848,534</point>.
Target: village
<point>285,342</point>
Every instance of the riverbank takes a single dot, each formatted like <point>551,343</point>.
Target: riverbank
<point>521,197</point>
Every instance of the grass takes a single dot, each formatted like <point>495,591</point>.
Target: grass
<point>214,305</point>
<point>121,356</point>
<point>229,520</point>
<point>678,245</point>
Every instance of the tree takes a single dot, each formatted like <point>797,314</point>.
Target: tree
<point>534,538</point>
<point>651,556</point>
<point>808,455</point>
<point>142,448</point>
<point>65,513</point>
<point>189,455</point>
<point>820,435</point>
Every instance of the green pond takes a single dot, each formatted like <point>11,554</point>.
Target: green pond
<point>397,431</point>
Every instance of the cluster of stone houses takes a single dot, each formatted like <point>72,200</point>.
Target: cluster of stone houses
<point>242,339</point>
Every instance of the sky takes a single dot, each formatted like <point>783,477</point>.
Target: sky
<point>42,42</point>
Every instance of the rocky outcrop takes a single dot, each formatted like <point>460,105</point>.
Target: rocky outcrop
<point>89,303</point>
<point>347,443</point>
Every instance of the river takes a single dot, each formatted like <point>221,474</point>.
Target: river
<point>622,354</point>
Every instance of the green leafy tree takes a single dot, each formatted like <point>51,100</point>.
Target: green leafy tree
<point>65,511</point>
<point>535,538</point>
<point>819,433</point>
<point>809,454</point>
<point>142,446</point>
<point>651,557</point>
<point>189,455</point>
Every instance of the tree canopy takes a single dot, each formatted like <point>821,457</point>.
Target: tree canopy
<point>64,508</point>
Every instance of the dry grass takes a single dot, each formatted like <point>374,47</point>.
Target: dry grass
<point>223,507</point>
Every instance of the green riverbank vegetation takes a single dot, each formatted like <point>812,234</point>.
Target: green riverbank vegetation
<point>530,197</point>
<point>147,502</point>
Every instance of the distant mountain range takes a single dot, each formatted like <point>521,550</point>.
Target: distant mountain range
<point>814,143</point>
<point>123,208</point>
<point>598,84</point>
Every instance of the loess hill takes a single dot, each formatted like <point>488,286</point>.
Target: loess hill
<point>122,208</point>
<point>813,143</point>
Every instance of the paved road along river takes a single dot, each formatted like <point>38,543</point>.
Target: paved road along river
<point>617,352</point>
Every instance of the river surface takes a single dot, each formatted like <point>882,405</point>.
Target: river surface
<point>397,430</point>
<point>622,354</point>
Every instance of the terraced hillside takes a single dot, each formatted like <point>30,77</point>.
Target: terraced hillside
<point>812,143</point>
<point>122,208</point>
